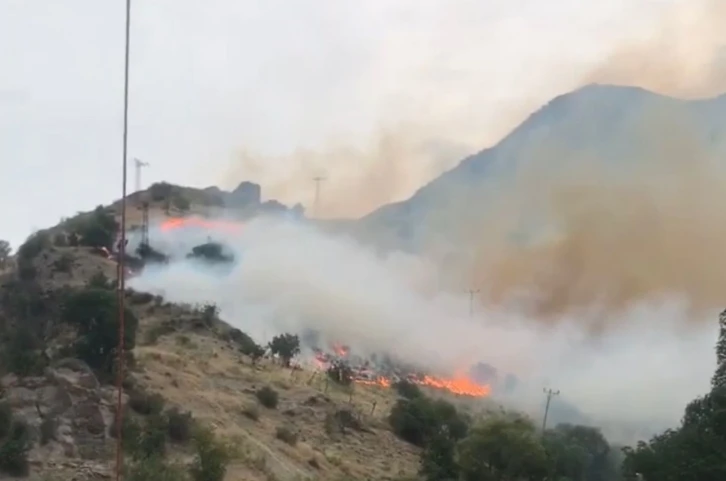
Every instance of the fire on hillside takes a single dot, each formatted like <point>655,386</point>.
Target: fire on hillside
<point>366,374</point>
<point>214,224</point>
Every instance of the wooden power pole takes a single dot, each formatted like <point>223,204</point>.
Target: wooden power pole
<point>550,394</point>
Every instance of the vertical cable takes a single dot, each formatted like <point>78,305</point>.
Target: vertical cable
<point>121,269</point>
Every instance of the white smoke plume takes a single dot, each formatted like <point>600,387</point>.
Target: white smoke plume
<point>288,276</point>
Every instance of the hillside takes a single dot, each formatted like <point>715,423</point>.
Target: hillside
<point>183,358</point>
<point>615,127</point>
<point>203,402</point>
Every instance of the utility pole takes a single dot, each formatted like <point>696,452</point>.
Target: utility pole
<point>139,165</point>
<point>317,181</point>
<point>472,293</point>
<point>550,394</point>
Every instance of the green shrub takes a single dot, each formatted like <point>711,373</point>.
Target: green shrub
<point>268,397</point>
<point>179,425</point>
<point>211,457</point>
<point>6,419</point>
<point>287,346</point>
<point>145,403</point>
<point>14,450</point>
<point>152,437</point>
<point>64,263</point>
<point>95,313</point>
<point>340,373</point>
<point>22,355</point>
<point>60,240</point>
<point>407,389</point>
<point>417,420</point>
<point>34,245</point>
<point>98,229</point>
<point>47,430</point>
<point>160,191</point>
<point>154,468</point>
<point>286,435</point>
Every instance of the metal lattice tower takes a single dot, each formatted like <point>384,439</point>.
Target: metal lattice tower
<point>145,224</point>
<point>139,165</point>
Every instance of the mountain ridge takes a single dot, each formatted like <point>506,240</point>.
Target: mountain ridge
<point>607,121</point>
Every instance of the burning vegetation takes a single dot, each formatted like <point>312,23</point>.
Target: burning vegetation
<point>342,365</point>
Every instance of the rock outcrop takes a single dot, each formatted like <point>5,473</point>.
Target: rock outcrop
<point>69,414</point>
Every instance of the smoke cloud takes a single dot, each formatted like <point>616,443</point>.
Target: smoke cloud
<point>357,178</point>
<point>289,276</point>
<point>429,111</point>
<point>567,233</point>
<point>614,307</point>
<point>683,54</point>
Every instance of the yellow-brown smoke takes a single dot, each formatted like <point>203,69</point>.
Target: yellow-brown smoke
<point>357,179</point>
<point>683,54</point>
<point>644,229</point>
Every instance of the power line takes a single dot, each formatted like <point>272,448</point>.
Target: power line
<point>121,269</point>
<point>472,293</point>
<point>550,394</point>
<point>317,181</point>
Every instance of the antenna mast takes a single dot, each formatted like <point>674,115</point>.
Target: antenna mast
<point>472,293</point>
<point>139,165</point>
<point>317,181</point>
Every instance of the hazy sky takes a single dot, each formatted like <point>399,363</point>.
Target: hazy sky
<point>212,79</point>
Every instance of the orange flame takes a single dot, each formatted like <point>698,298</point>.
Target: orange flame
<point>341,350</point>
<point>217,224</point>
<point>459,385</point>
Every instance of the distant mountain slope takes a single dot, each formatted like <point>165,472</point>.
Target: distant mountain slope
<point>612,124</point>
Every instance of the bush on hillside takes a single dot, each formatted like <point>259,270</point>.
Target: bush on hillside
<point>160,191</point>
<point>34,245</point>
<point>95,314</point>
<point>287,346</point>
<point>407,389</point>
<point>268,397</point>
<point>22,354</point>
<point>179,425</point>
<point>154,468</point>
<point>211,457</point>
<point>181,203</point>
<point>286,435</point>
<point>6,419</point>
<point>14,449</point>
<point>417,420</point>
<point>145,403</point>
<point>340,373</point>
<point>98,229</point>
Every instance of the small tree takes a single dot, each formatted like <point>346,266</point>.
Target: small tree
<point>179,425</point>
<point>268,397</point>
<point>211,458</point>
<point>160,191</point>
<point>21,355</point>
<point>14,449</point>
<point>181,203</point>
<point>254,351</point>
<point>438,460</point>
<point>407,389</point>
<point>95,313</point>
<point>341,373</point>
<point>287,346</point>
<point>210,312</point>
<point>4,253</point>
<point>98,229</point>
<point>33,246</point>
